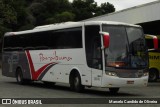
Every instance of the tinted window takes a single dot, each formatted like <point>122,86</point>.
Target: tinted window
<point>64,39</point>
<point>60,39</point>
<point>93,44</point>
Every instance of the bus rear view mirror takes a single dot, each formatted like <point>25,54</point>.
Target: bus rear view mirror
<point>155,41</point>
<point>106,39</point>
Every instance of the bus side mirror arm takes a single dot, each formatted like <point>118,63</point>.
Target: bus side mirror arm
<point>102,47</point>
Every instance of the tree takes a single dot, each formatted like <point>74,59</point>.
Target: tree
<point>107,8</point>
<point>38,11</point>
<point>8,16</point>
<point>7,13</point>
<point>47,11</point>
<point>81,9</point>
<point>65,16</point>
<point>25,14</point>
<point>19,7</point>
<point>84,9</point>
<point>18,15</point>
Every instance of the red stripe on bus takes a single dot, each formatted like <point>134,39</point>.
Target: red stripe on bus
<point>35,74</point>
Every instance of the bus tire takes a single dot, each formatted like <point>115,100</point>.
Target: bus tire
<point>19,77</point>
<point>75,83</point>
<point>153,75</point>
<point>113,90</point>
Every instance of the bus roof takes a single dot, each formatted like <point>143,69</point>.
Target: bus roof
<point>109,23</point>
<point>64,25</point>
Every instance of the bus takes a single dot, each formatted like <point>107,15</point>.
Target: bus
<point>153,43</point>
<point>82,54</point>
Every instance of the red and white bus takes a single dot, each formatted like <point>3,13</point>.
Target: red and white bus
<point>94,53</point>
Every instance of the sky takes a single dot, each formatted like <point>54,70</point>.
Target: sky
<point>123,4</point>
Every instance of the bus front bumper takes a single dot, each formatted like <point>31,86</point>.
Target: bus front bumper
<point>112,81</point>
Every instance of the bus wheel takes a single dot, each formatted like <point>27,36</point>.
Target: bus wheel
<point>113,90</point>
<point>153,75</point>
<point>76,84</point>
<point>19,76</point>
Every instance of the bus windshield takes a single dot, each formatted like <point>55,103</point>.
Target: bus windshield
<point>126,48</point>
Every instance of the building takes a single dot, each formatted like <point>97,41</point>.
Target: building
<point>146,15</point>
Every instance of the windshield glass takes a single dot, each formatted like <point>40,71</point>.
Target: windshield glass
<point>126,48</point>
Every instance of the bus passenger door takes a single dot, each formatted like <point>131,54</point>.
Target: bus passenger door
<point>96,62</point>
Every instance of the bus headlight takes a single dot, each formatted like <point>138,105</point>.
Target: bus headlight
<point>111,73</point>
<point>145,74</point>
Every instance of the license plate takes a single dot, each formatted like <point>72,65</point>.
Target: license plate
<point>130,82</point>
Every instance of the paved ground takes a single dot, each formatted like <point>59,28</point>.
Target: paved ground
<point>10,89</point>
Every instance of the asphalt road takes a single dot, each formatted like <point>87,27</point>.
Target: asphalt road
<point>10,89</point>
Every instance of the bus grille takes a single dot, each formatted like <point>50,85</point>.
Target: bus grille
<point>130,75</point>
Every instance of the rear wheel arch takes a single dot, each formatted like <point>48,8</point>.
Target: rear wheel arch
<point>18,67</point>
<point>19,76</point>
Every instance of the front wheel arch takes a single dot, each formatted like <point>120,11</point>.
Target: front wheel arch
<point>75,81</point>
<point>153,74</point>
